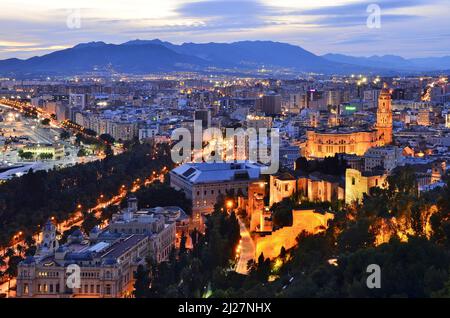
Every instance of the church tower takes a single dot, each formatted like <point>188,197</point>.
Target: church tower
<point>384,117</point>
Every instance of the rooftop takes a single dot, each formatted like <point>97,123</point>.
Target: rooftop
<point>217,172</point>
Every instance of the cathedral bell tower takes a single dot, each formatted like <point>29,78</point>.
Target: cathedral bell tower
<point>384,117</point>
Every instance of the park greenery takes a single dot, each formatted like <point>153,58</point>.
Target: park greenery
<point>27,202</point>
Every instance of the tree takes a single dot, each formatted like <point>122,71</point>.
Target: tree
<point>29,240</point>
<point>26,155</point>
<point>20,249</point>
<point>89,222</point>
<point>142,282</point>
<point>64,135</point>
<point>260,270</point>
<point>11,270</point>
<point>82,153</point>
<point>107,138</point>
<point>182,250</point>
<point>90,132</point>
<point>108,151</point>
<point>357,236</point>
<point>45,121</point>
<point>283,253</point>
<point>45,156</point>
<point>2,261</point>
<point>9,252</point>
<point>282,213</point>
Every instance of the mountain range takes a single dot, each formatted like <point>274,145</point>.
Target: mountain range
<point>150,56</point>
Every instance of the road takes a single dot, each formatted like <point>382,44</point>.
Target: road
<point>246,248</point>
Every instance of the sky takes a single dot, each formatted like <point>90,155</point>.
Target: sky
<point>410,28</point>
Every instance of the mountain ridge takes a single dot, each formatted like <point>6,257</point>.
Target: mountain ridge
<point>147,56</point>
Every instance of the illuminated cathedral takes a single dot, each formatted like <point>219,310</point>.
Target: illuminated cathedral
<point>328,142</point>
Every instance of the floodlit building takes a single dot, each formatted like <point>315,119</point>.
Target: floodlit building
<point>328,142</point>
<point>204,182</point>
<point>55,151</point>
<point>358,183</point>
<point>316,187</point>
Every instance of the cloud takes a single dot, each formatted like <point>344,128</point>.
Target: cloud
<point>359,20</point>
<point>224,8</point>
<point>359,8</point>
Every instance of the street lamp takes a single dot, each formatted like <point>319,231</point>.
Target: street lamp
<point>229,204</point>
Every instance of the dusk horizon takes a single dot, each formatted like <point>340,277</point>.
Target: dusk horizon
<point>347,53</point>
<point>407,28</point>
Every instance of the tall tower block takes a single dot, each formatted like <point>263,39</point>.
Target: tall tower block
<point>384,117</point>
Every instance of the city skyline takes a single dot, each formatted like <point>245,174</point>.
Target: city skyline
<point>407,28</point>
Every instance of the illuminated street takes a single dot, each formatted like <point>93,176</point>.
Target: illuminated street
<point>246,249</point>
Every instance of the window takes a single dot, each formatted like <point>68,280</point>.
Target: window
<point>51,288</point>
<point>108,289</point>
<point>26,289</point>
<point>353,181</point>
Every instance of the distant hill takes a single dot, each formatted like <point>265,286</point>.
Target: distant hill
<point>89,56</point>
<point>393,62</point>
<point>148,56</point>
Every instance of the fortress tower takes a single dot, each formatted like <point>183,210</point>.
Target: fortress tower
<point>384,117</point>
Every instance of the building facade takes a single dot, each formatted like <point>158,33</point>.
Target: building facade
<point>328,142</point>
<point>358,183</point>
